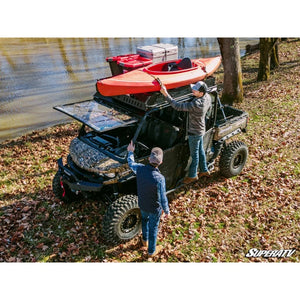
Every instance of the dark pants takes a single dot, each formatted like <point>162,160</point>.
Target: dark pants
<point>150,222</point>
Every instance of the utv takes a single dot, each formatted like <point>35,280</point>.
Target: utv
<point>97,163</point>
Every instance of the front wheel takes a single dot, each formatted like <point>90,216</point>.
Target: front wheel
<point>233,159</point>
<point>122,220</point>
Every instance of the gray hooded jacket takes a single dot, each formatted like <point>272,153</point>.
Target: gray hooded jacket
<point>197,109</point>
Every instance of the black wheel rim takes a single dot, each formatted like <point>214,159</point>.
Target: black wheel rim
<point>130,221</point>
<point>238,161</point>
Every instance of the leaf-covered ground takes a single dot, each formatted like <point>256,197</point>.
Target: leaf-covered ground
<point>213,220</point>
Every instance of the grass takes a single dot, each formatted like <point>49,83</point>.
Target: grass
<point>214,220</point>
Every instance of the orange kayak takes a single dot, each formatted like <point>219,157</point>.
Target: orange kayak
<point>172,74</point>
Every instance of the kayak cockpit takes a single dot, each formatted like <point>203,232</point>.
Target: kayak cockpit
<point>173,67</point>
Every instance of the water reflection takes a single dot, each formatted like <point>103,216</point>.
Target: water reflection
<point>65,59</point>
<point>39,73</point>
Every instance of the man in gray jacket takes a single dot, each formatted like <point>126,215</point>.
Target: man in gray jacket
<point>197,109</point>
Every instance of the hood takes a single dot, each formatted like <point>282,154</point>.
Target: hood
<point>100,116</point>
<point>90,159</point>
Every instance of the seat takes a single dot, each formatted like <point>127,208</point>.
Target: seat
<point>159,134</point>
<point>162,134</point>
<point>185,63</point>
<point>172,66</point>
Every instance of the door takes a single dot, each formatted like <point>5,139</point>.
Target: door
<point>174,164</point>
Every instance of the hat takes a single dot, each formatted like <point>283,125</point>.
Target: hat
<point>156,156</point>
<point>199,86</point>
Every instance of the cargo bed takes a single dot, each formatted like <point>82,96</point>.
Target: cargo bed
<point>229,121</point>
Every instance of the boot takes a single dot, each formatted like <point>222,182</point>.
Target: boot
<point>204,174</point>
<point>157,250</point>
<point>188,180</point>
<point>144,243</point>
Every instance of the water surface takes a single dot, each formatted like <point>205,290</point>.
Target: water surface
<point>39,73</point>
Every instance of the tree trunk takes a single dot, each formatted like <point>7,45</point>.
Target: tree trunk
<point>233,82</point>
<point>267,46</point>
<point>274,55</point>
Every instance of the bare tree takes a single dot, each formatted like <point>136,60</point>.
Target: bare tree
<point>274,55</point>
<point>268,49</point>
<point>233,82</point>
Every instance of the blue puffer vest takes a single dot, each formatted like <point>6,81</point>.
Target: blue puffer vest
<point>148,178</point>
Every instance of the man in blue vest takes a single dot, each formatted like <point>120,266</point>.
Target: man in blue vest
<point>152,199</point>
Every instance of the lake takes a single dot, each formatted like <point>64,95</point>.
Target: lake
<point>39,73</point>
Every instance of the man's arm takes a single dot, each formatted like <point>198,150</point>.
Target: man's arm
<point>162,196</point>
<point>187,106</point>
<point>130,158</point>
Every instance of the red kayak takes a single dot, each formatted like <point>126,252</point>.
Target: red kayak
<point>172,74</point>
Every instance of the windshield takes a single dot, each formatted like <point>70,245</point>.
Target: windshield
<point>97,116</point>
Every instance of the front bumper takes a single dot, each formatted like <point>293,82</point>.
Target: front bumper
<point>72,180</point>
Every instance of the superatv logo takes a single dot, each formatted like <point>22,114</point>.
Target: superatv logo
<point>270,253</point>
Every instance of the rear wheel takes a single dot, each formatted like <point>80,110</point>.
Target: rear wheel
<point>233,159</point>
<point>122,220</point>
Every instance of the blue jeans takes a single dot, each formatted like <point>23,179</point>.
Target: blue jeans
<point>150,222</point>
<point>198,155</point>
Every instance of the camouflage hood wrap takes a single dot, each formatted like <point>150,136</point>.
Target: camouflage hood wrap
<point>90,159</point>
